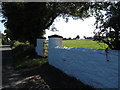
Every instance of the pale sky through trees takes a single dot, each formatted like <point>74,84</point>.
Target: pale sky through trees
<point>2,28</point>
<point>73,27</point>
<point>70,29</point>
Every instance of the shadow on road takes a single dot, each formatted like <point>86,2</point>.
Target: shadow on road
<point>6,58</point>
<point>42,77</point>
<point>54,78</point>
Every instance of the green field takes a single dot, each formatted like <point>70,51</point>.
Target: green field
<point>83,43</point>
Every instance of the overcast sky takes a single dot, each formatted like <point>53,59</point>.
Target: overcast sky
<point>73,27</point>
<point>70,29</point>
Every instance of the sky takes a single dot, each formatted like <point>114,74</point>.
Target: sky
<point>2,28</point>
<point>73,27</point>
<point>70,29</point>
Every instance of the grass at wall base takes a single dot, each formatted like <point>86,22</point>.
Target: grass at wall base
<point>24,56</point>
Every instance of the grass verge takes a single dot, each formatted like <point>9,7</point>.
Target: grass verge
<point>24,56</point>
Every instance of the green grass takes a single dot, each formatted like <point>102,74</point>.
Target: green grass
<point>29,63</point>
<point>17,43</point>
<point>84,43</point>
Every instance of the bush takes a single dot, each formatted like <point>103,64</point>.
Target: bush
<point>21,50</point>
<point>24,56</point>
<point>17,43</point>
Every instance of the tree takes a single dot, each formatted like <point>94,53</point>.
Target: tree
<point>77,37</point>
<point>85,37</point>
<point>28,21</point>
<point>107,16</point>
<point>109,25</point>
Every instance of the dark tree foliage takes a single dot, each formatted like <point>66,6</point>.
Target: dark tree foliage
<point>107,16</point>
<point>77,37</point>
<point>28,21</point>
<point>107,23</point>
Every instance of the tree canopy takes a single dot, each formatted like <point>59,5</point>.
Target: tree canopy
<point>108,24</point>
<point>28,21</point>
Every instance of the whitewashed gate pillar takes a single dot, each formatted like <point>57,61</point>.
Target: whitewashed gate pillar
<point>54,40</point>
<point>41,47</point>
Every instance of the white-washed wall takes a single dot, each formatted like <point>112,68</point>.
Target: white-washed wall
<point>87,65</point>
<point>40,47</point>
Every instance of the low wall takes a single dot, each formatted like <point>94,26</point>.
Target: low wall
<point>87,65</point>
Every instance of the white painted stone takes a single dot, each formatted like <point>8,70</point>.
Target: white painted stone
<point>53,42</point>
<point>87,65</point>
<point>40,47</point>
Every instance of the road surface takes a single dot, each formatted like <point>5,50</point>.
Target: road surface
<point>44,77</point>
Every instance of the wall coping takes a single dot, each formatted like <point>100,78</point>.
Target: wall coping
<point>55,36</point>
<point>90,50</point>
<point>41,38</point>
